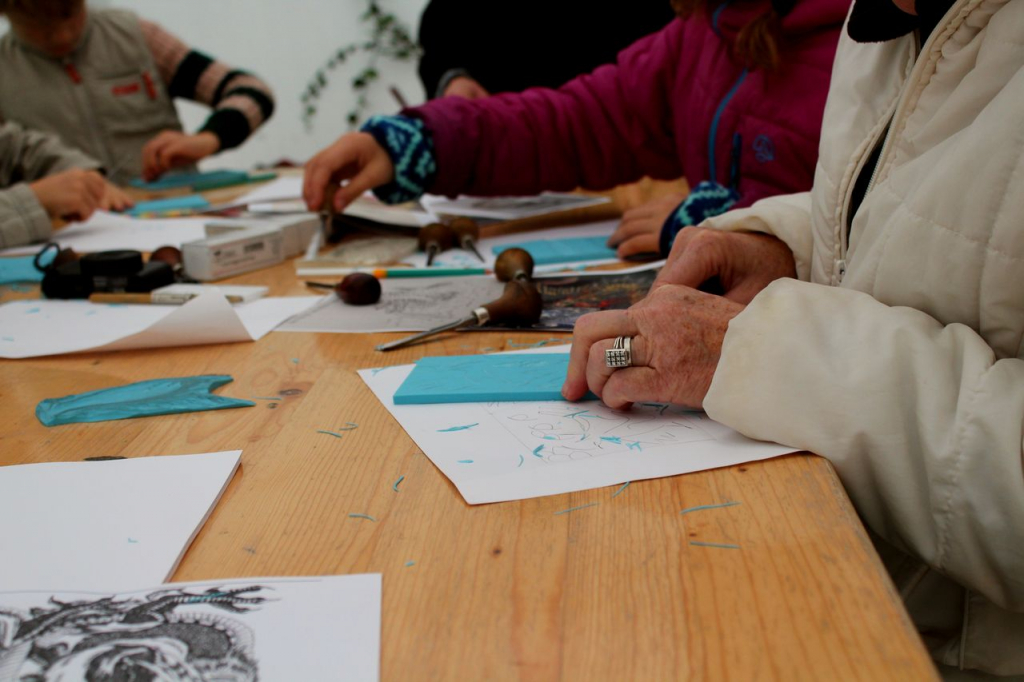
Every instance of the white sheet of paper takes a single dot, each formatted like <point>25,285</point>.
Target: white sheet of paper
<point>284,187</point>
<point>119,524</point>
<point>106,231</point>
<point>310,629</point>
<point>33,328</point>
<point>514,451</point>
<point>509,208</point>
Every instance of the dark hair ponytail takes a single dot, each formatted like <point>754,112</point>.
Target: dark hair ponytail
<point>759,42</point>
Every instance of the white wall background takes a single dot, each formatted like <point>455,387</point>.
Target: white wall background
<point>284,42</point>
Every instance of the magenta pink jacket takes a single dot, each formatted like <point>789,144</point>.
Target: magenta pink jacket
<point>675,104</point>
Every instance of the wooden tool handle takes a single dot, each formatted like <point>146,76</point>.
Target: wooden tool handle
<point>513,264</point>
<point>466,230</point>
<point>436,235</point>
<point>520,305</point>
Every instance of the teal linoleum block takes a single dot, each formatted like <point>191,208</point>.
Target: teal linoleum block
<point>485,379</point>
<point>179,180</point>
<point>189,202</point>
<point>22,269</point>
<point>143,399</point>
<point>569,250</point>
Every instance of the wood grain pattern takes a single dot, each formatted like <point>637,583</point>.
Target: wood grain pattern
<point>614,591</point>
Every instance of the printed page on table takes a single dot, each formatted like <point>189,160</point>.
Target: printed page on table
<point>509,208</point>
<point>94,525</point>
<point>312,629</point>
<point>500,451</point>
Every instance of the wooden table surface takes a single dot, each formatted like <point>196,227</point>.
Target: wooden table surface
<point>502,591</point>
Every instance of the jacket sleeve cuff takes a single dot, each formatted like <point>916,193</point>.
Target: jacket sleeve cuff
<point>786,217</point>
<point>229,125</point>
<point>409,145</point>
<point>22,218</point>
<point>706,200</point>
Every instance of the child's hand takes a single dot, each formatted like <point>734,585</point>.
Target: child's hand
<point>115,199</point>
<point>640,228</point>
<point>171,149</point>
<point>355,157</point>
<point>72,195</point>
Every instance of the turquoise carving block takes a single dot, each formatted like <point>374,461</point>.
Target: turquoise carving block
<point>143,399</point>
<point>179,180</point>
<point>22,269</point>
<point>484,379</point>
<point>189,202</point>
<point>569,250</point>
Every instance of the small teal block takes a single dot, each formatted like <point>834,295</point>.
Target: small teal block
<point>180,180</point>
<point>569,250</point>
<point>485,379</point>
<point>189,202</point>
<point>23,269</point>
<point>142,399</point>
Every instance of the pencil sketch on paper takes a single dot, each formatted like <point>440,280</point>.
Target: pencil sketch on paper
<point>561,432</point>
<point>169,634</point>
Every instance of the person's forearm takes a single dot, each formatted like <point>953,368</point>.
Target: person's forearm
<point>922,423</point>
<point>241,102</point>
<point>22,218</point>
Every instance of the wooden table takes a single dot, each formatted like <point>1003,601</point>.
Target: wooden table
<point>502,591</point>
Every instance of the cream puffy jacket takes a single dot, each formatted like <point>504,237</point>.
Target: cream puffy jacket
<point>898,355</point>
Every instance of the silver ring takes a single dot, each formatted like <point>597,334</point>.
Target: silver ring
<point>620,354</point>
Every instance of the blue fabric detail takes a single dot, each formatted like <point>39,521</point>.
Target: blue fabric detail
<point>23,269</point>
<point>764,149</point>
<point>408,143</point>
<point>716,15</point>
<point>712,163</point>
<point>142,399</point>
<point>706,200</point>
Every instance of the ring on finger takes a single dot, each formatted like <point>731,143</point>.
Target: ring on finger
<point>620,354</point>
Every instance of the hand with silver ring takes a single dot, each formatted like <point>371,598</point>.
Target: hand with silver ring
<point>676,336</point>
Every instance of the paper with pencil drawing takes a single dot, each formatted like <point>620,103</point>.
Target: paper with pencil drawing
<point>311,629</point>
<point>119,524</point>
<point>33,328</point>
<point>494,452</point>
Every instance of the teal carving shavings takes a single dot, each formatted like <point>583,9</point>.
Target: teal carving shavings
<point>329,433</point>
<point>142,399</point>
<point>714,544</point>
<point>273,397</point>
<point>536,451</point>
<point>539,344</point>
<point>635,445</point>
<point>362,516</point>
<point>465,461</point>
<point>624,486</point>
<point>295,360</point>
<point>452,429</point>
<point>348,427</point>
<point>612,439</point>
<point>572,509</point>
<point>521,460</point>
<point>395,486</point>
<point>410,563</point>
<point>709,506</point>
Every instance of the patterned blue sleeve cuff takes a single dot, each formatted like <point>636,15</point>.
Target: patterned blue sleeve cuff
<point>408,143</point>
<point>706,200</point>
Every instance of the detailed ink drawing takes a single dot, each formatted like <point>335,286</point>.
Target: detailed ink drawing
<point>169,634</point>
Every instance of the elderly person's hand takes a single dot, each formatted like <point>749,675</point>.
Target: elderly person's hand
<point>744,263</point>
<point>677,337</point>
